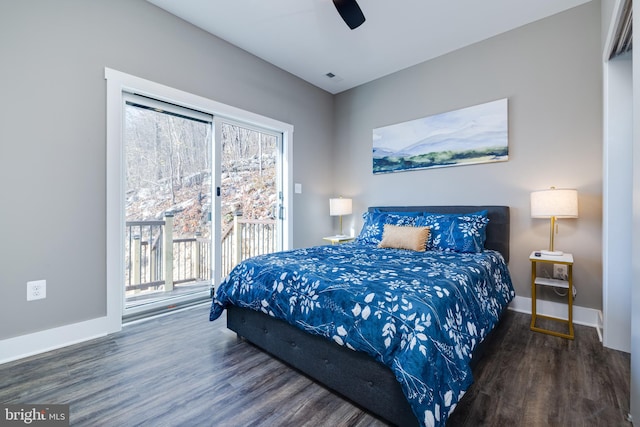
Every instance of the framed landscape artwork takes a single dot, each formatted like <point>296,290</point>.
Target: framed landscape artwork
<point>477,134</point>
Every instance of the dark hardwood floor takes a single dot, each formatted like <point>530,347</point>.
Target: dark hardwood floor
<point>182,370</point>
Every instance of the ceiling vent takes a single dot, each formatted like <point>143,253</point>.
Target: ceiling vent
<point>333,77</point>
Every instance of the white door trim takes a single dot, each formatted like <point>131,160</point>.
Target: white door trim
<point>119,82</point>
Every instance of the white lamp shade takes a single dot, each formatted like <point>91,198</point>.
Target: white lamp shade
<point>340,206</point>
<point>559,203</point>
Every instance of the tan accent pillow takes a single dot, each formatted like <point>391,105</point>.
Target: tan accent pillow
<point>404,237</point>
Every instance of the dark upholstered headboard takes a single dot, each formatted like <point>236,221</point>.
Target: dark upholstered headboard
<point>498,228</point>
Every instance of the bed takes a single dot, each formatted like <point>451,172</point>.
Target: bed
<point>416,320</point>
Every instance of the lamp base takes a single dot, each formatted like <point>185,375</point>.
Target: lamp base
<point>551,253</point>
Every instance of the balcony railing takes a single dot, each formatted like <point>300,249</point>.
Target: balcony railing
<point>245,238</point>
<point>155,260</point>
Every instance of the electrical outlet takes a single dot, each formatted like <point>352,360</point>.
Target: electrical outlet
<point>36,289</point>
<point>560,271</point>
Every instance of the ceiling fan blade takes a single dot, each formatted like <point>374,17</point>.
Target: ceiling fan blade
<point>350,12</point>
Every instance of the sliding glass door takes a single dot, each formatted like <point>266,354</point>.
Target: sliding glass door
<point>251,202</point>
<point>168,202</point>
<point>201,194</point>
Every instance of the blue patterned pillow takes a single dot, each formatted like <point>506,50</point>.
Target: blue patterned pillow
<point>456,232</point>
<point>373,227</point>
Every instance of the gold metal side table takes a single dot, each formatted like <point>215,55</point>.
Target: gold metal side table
<point>566,259</point>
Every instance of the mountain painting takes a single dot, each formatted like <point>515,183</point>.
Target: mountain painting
<point>477,134</point>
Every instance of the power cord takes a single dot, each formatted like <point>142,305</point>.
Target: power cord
<point>561,294</point>
<point>557,290</point>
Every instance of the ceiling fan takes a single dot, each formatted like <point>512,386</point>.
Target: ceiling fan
<point>350,12</point>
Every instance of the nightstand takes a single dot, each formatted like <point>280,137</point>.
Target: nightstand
<point>335,240</point>
<point>566,259</point>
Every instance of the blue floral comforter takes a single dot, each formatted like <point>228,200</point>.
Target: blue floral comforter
<point>420,313</point>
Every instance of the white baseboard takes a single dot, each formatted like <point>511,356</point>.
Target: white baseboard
<point>40,342</point>
<point>581,315</point>
<point>51,339</point>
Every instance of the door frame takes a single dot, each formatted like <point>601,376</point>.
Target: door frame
<point>119,82</point>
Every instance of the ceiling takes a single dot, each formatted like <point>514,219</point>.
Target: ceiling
<point>309,39</point>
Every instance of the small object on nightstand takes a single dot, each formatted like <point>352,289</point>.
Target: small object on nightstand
<point>566,259</point>
<point>338,239</point>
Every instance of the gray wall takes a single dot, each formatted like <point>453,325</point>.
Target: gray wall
<point>551,72</point>
<point>53,143</point>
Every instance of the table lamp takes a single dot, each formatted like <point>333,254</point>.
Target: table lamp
<point>339,207</point>
<point>554,203</point>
